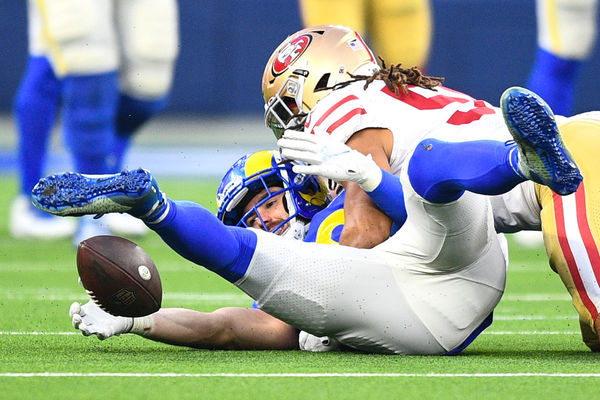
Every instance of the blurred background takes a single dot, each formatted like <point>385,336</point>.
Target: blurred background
<point>215,111</point>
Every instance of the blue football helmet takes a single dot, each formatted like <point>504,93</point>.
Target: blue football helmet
<point>304,195</point>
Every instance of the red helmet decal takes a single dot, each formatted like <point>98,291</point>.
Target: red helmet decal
<point>290,53</point>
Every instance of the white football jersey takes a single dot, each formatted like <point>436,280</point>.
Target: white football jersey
<point>444,114</point>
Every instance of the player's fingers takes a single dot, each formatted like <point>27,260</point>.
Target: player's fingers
<point>74,309</point>
<point>298,135</point>
<point>296,145</point>
<point>76,320</point>
<point>307,169</point>
<point>84,329</point>
<point>300,155</point>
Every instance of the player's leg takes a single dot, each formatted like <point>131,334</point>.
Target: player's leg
<point>80,38</point>
<point>183,225</point>
<point>401,31</point>
<point>456,241</point>
<point>571,227</point>
<point>36,105</point>
<point>149,42</point>
<point>89,109</point>
<point>438,172</point>
<point>566,35</point>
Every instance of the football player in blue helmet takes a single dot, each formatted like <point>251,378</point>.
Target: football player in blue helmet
<point>261,191</point>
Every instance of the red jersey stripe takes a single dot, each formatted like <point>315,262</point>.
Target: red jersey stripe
<point>335,107</point>
<point>568,254</point>
<point>345,118</point>
<point>586,232</point>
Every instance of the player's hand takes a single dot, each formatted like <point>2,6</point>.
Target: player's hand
<point>92,320</point>
<point>329,158</point>
<point>308,342</point>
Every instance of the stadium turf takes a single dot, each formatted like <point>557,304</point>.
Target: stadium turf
<point>532,350</point>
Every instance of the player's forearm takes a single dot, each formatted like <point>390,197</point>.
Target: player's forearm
<point>227,328</point>
<point>365,225</point>
<point>184,327</point>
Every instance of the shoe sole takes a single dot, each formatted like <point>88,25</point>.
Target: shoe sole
<point>74,194</point>
<point>532,126</point>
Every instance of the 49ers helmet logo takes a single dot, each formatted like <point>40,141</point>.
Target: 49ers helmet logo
<point>290,53</point>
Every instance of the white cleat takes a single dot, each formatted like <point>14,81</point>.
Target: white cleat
<point>26,222</point>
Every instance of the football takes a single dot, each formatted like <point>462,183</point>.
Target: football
<point>119,276</point>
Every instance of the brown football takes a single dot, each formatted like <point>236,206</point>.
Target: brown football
<point>119,276</point>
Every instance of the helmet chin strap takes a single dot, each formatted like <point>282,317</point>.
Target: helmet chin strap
<point>296,230</point>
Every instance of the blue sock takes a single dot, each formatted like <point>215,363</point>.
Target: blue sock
<point>36,105</point>
<point>196,234</point>
<point>388,196</point>
<point>89,109</point>
<point>555,79</point>
<point>132,113</point>
<point>441,171</point>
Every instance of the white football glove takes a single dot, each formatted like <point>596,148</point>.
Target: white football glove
<point>329,158</point>
<point>308,342</point>
<point>92,320</point>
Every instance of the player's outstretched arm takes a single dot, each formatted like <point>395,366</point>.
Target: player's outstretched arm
<point>229,328</point>
<point>226,328</point>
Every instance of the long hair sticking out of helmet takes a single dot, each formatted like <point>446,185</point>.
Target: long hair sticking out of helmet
<point>395,78</point>
<point>304,195</point>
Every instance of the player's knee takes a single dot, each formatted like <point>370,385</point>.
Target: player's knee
<point>150,46</point>
<point>572,32</point>
<point>147,80</point>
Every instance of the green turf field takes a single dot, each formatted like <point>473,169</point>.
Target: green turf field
<point>532,350</point>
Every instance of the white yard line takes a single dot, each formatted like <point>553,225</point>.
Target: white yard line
<point>294,375</point>
<point>531,333</point>
<point>506,317</point>
<point>536,297</point>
